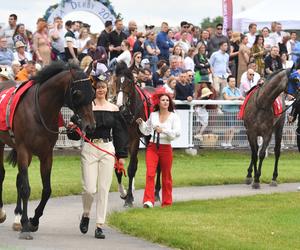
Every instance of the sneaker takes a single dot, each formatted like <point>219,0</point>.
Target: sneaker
<point>219,111</point>
<point>148,204</point>
<point>99,233</point>
<point>199,137</point>
<point>84,224</point>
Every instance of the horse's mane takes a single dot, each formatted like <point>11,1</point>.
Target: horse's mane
<point>53,69</point>
<point>269,77</point>
<point>123,70</point>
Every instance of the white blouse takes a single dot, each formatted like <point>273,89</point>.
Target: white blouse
<point>170,128</point>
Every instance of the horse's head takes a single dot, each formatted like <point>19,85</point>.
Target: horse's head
<point>79,98</point>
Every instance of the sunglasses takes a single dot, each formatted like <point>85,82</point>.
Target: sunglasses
<point>185,26</point>
<point>251,74</point>
<point>219,28</point>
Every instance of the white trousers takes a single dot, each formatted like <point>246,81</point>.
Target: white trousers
<point>97,171</point>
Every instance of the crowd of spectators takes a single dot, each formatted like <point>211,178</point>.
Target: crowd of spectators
<point>184,61</point>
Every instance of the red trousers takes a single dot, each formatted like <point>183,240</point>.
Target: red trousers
<point>164,156</point>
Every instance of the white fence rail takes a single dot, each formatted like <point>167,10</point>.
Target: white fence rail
<point>213,135</point>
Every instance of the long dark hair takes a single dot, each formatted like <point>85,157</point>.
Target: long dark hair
<point>171,103</point>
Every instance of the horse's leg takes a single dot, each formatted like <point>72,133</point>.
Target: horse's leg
<point>45,170</point>
<point>157,184</point>
<point>2,175</point>
<point>122,191</point>
<point>132,167</point>
<point>18,210</point>
<point>254,148</point>
<point>277,148</point>
<point>262,154</point>
<point>249,178</point>
<point>24,189</point>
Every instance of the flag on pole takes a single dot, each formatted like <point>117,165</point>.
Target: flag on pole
<point>227,15</point>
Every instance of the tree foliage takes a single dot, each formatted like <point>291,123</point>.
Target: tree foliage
<point>207,22</point>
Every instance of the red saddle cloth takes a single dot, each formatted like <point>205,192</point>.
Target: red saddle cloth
<point>146,97</point>
<point>5,96</point>
<point>277,105</point>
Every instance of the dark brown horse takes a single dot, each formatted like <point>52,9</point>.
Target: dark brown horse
<point>35,127</point>
<point>132,107</point>
<point>259,120</point>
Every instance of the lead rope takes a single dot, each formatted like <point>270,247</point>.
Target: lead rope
<point>118,165</point>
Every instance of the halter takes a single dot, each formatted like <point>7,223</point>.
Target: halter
<point>74,86</point>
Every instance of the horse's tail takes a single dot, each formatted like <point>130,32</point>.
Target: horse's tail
<point>12,157</point>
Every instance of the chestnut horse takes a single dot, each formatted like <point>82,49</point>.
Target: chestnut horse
<point>35,128</point>
<point>259,120</point>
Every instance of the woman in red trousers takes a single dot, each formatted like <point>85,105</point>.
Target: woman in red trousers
<point>164,126</point>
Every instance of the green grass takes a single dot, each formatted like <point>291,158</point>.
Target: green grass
<point>207,168</point>
<point>256,222</point>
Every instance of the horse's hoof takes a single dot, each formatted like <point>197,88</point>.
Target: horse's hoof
<point>128,204</point>
<point>256,185</point>
<point>25,236</point>
<point>2,216</point>
<point>32,227</point>
<point>17,227</point>
<point>123,197</point>
<point>273,183</point>
<point>248,180</point>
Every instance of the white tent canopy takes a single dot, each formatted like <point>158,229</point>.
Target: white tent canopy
<point>286,12</point>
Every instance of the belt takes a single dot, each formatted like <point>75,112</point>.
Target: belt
<point>101,140</point>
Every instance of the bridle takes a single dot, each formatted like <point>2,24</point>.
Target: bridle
<point>73,86</point>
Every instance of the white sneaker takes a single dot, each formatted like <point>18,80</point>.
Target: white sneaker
<point>148,204</point>
<point>199,137</point>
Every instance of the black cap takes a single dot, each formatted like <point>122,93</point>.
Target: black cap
<point>183,23</point>
<point>108,23</point>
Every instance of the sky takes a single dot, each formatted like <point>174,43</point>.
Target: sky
<point>149,12</point>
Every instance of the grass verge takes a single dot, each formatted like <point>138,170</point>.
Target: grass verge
<point>256,222</point>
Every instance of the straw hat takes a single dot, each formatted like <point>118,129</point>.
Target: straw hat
<point>19,44</point>
<point>4,73</point>
<point>205,92</point>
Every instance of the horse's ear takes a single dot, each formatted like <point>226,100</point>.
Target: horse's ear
<point>89,69</point>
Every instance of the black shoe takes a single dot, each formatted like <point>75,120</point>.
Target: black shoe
<point>99,233</point>
<point>84,224</point>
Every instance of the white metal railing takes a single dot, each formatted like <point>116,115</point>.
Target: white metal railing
<point>213,135</point>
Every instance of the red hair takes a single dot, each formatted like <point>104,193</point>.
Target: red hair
<point>156,99</point>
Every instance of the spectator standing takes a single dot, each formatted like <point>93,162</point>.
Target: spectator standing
<point>184,27</point>
<point>174,68</point>
<point>136,62</point>
<point>164,126</point>
<point>170,87</point>
<point>57,37</point>
<point>276,36</point>
<point>151,50</point>
<point>230,92</point>
<point>214,42</point>
<point>283,44</point>
<point>219,65</point>
<point>21,55</point>
<point>202,66</point>
<point>204,37</point>
<point>161,76</point>
<point>103,39</point>
<point>97,166</point>
<point>71,43</point>
<point>244,58</point>
<point>251,35</point>
<point>258,52</point>
<point>286,64</point>
<point>291,46</point>
<point>184,43</point>
<point>125,56</point>
<point>267,41</point>
<point>84,37</point>
<point>184,90</point>
<point>273,61</point>
<point>20,35</point>
<point>6,55</point>
<point>189,63</point>
<point>115,39</point>
<point>131,39</point>
<point>234,53</point>
<point>164,43</point>
<point>9,31</point>
<point>139,44</point>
